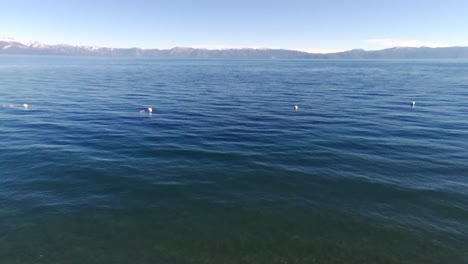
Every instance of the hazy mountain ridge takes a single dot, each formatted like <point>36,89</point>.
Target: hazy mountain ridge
<point>36,48</point>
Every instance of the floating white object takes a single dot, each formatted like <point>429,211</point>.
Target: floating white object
<point>25,106</point>
<point>296,108</point>
<point>150,110</point>
<point>413,104</point>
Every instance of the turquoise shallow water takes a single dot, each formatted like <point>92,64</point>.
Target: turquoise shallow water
<point>224,170</point>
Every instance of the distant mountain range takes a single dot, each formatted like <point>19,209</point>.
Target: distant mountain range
<point>16,47</point>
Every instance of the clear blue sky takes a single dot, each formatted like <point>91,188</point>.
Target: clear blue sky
<point>316,25</point>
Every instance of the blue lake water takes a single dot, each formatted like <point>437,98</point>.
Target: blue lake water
<point>224,170</point>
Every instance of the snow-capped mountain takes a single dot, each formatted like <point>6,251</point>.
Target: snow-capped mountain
<point>12,46</point>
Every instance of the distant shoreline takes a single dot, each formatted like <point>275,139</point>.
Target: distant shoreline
<point>399,53</point>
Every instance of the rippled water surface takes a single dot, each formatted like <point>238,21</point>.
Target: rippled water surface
<point>224,170</point>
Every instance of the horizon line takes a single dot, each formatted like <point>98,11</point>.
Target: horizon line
<point>214,48</point>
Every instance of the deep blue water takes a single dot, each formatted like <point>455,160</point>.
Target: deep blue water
<point>224,170</point>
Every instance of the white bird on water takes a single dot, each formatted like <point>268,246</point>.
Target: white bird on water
<point>26,106</point>
<point>150,110</point>
<point>413,104</point>
<point>296,108</point>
